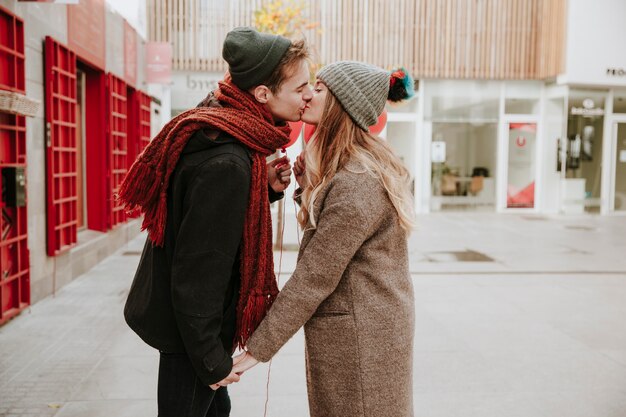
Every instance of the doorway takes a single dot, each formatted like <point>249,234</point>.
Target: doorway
<point>583,149</point>
<point>619,166</point>
<point>81,207</point>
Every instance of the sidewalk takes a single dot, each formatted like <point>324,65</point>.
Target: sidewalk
<point>515,316</point>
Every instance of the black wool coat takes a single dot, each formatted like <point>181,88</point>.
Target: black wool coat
<point>184,295</point>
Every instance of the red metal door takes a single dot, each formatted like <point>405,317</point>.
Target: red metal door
<point>133,125</point>
<point>144,120</point>
<point>139,124</point>
<point>117,138</point>
<point>61,138</point>
<point>14,256</point>
<point>139,128</point>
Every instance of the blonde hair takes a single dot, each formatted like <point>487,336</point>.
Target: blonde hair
<point>338,140</point>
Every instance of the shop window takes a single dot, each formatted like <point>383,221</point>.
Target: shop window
<point>14,257</point>
<point>462,118</point>
<point>463,166</point>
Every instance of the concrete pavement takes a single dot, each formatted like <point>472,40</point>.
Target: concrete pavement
<point>515,316</point>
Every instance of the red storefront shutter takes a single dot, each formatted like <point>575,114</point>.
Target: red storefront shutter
<point>61,136</point>
<point>139,129</point>
<point>117,139</point>
<point>144,120</point>
<point>133,126</point>
<point>14,257</point>
<point>138,124</point>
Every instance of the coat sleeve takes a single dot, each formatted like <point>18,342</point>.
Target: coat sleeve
<point>206,247</point>
<point>273,195</point>
<point>343,225</point>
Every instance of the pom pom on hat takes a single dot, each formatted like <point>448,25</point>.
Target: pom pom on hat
<point>400,86</point>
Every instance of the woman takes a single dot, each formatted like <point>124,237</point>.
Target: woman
<point>351,288</point>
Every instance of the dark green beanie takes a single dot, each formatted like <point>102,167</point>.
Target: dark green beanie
<point>252,56</point>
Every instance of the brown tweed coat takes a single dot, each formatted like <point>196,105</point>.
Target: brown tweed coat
<point>352,292</point>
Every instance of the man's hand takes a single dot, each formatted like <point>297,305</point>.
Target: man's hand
<point>298,170</point>
<point>236,371</point>
<point>243,362</point>
<point>279,174</point>
<point>232,377</point>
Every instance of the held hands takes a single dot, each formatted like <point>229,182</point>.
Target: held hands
<point>232,377</point>
<point>279,174</point>
<point>241,363</point>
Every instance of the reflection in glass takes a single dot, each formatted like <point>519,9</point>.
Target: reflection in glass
<point>521,171</point>
<point>583,149</point>
<point>463,179</point>
<point>620,168</point>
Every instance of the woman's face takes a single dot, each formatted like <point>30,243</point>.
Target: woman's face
<point>315,107</point>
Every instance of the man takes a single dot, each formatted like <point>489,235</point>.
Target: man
<point>205,278</point>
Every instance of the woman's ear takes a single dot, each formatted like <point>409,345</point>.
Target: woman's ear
<point>261,93</point>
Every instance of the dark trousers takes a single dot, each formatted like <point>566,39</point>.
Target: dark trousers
<point>182,394</point>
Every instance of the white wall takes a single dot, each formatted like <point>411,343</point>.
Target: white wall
<point>553,129</point>
<point>114,26</point>
<point>191,87</point>
<point>595,39</point>
<point>402,138</point>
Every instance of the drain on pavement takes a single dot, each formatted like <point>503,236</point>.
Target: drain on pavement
<point>580,227</point>
<point>131,253</point>
<point>458,256</point>
<point>534,218</point>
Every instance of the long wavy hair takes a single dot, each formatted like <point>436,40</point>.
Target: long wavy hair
<point>338,140</point>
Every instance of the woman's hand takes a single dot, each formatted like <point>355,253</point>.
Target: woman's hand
<point>298,169</point>
<point>279,174</point>
<point>243,362</point>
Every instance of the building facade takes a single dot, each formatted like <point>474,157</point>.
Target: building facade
<point>61,166</point>
<point>519,105</point>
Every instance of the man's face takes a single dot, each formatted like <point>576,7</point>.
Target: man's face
<point>290,100</point>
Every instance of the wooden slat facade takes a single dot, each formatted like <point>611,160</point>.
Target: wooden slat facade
<point>461,39</point>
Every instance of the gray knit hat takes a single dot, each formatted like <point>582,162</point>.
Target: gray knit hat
<point>252,56</point>
<point>362,89</point>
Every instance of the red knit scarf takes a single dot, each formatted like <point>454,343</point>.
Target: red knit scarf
<point>145,187</point>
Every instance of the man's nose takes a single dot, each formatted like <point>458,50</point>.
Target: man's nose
<point>307,94</point>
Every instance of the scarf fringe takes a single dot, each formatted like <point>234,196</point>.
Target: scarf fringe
<point>158,216</point>
<point>254,312</point>
<point>140,186</point>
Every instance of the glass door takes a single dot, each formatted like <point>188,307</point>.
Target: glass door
<point>619,176</point>
<point>521,165</point>
<point>583,151</point>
